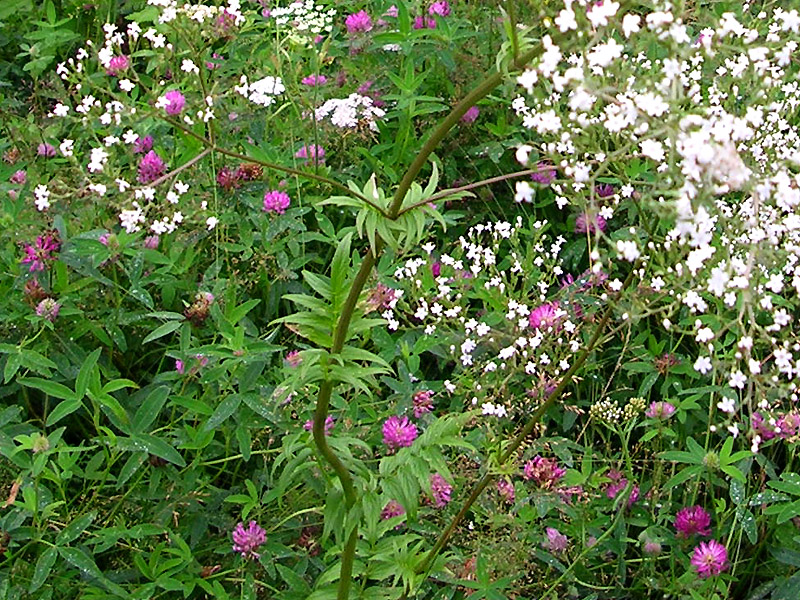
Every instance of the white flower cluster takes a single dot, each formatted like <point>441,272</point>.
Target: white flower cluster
<point>262,92</point>
<point>350,112</point>
<point>201,13</point>
<point>713,121</point>
<point>42,197</point>
<point>305,17</point>
<point>457,296</point>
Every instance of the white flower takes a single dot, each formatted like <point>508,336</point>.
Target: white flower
<point>603,55</point>
<point>704,334</point>
<point>702,364</point>
<point>528,79</point>
<point>600,12</point>
<point>628,250</point>
<point>727,405</point>
<point>737,380</point>
<point>653,149</point>
<point>211,222</point>
<point>67,147</point>
<point>42,195</point>
<point>566,20</point>
<point>630,24</point>
<point>523,153</point>
<point>60,110</point>
<point>524,192</point>
<point>189,67</point>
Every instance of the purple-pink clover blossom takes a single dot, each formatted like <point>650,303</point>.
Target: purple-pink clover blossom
<point>247,540</point>
<point>172,102</point>
<point>440,8</point>
<point>440,490</point>
<point>151,167</point>
<point>710,558</point>
<point>399,432</point>
<point>692,520</point>
<point>359,22</point>
<point>276,201</point>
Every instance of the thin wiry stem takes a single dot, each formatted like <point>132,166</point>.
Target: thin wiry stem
<point>270,165</point>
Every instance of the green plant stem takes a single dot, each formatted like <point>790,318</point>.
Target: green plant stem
<point>447,124</point>
<point>321,414</point>
<point>270,165</point>
<point>340,334</point>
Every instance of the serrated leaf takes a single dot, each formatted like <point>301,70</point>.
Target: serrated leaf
<point>340,269</point>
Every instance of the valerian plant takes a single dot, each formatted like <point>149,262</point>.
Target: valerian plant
<point>255,345</point>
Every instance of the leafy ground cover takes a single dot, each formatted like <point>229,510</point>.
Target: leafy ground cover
<point>407,299</point>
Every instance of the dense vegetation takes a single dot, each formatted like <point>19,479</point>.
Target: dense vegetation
<point>406,299</point>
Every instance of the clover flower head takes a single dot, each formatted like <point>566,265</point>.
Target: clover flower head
<point>556,541</point>
<point>440,490</point>
<point>359,22</point>
<point>399,432</point>
<point>247,540</point>
<point>151,167</point>
<point>471,115</point>
<point>710,558</point>
<point>276,202</point>
<point>440,7</point>
<point>660,410</point>
<point>48,309</point>
<point>692,519</point>
<point>423,403</point>
<point>117,65</point>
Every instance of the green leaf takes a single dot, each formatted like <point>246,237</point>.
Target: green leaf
<point>748,524</point>
<point>50,388</point>
<point>225,409</point>
<point>79,559</point>
<point>733,472</point>
<point>318,283</point>
<point>340,269</point>
<point>159,447</point>
<point>117,384</point>
<point>74,529</point>
<point>82,382</point>
<point>683,475</point>
<point>150,409</point>
<point>736,489</point>
<point>162,330</point>
<point>240,312</point>
<point>245,441</point>
<point>681,456</point>
<point>43,567</point>
<point>67,407</point>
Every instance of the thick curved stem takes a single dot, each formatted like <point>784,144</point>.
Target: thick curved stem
<point>449,122</point>
<point>321,414</point>
<point>323,399</point>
